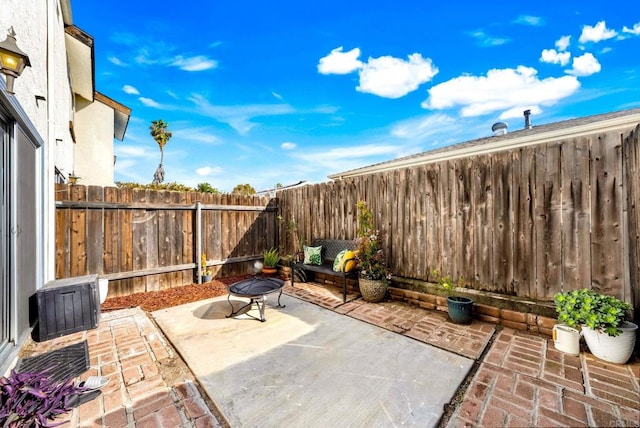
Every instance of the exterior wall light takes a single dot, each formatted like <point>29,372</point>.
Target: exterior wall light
<point>12,59</point>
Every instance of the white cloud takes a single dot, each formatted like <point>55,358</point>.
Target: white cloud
<point>331,158</point>
<point>385,76</point>
<point>635,30</point>
<point>499,90</point>
<point>563,43</point>
<point>208,171</point>
<point>391,77</point>
<point>130,90</point>
<point>596,33</point>
<point>196,63</point>
<point>535,21</point>
<point>239,117</point>
<point>149,102</point>
<point>551,56</point>
<point>584,65</point>
<point>132,151</point>
<point>288,145</point>
<point>424,127</point>
<point>276,95</point>
<point>486,40</point>
<point>338,62</point>
<point>116,61</point>
<point>201,135</point>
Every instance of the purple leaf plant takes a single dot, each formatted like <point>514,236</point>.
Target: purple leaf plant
<point>32,399</point>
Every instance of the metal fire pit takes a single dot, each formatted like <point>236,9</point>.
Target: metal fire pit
<point>256,290</point>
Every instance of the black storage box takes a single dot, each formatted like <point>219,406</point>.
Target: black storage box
<point>68,305</point>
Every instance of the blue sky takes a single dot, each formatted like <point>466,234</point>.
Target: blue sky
<point>283,91</point>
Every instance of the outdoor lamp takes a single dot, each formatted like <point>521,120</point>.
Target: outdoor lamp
<point>12,59</point>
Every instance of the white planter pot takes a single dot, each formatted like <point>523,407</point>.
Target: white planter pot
<point>614,349</point>
<point>566,339</point>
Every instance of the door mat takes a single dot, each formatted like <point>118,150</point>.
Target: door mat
<point>60,365</point>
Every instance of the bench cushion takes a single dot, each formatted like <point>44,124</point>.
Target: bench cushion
<point>313,255</point>
<point>337,263</point>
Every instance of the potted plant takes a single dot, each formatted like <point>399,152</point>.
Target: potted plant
<point>271,257</point>
<point>284,266</point>
<point>206,272</point>
<point>33,399</point>
<point>374,275</point>
<point>604,321</point>
<point>460,308</point>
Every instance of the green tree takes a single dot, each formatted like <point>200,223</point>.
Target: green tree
<point>206,188</point>
<point>160,133</point>
<point>244,189</point>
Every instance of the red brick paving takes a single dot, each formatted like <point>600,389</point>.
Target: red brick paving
<point>521,380</point>
<point>524,381</point>
<point>129,349</point>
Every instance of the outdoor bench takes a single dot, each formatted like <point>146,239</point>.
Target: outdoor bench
<point>330,249</point>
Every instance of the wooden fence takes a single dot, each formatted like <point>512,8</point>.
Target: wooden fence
<point>144,240</point>
<point>527,222</point>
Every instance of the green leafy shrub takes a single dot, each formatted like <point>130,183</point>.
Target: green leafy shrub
<point>594,310</point>
<point>162,186</point>
<point>370,255</point>
<point>207,188</point>
<point>271,257</point>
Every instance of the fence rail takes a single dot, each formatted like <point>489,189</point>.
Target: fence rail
<point>529,222</point>
<point>145,240</point>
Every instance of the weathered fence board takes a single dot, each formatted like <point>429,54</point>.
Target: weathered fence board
<point>606,211</point>
<point>483,237</point>
<point>530,221</point>
<point>575,214</point>
<point>548,220</point>
<point>63,243</point>
<point>78,254</point>
<point>502,177</point>
<point>464,250</point>
<point>631,167</point>
<point>524,251</point>
<point>110,232</point>
<point>432,217</point>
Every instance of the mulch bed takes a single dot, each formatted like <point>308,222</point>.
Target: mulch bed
<point>156,300</point>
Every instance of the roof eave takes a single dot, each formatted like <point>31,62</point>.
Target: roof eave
<point>122,114</point>
<point>504,142</point>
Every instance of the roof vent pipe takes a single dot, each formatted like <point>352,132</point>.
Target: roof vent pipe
<point>527,120</point>
<point>499,128</point>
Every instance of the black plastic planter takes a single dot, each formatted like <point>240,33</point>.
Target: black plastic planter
<point>460,309</point>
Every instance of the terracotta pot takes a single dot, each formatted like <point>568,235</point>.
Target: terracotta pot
<point>269,271</point>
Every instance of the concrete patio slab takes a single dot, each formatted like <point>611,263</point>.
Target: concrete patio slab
<point>306,366</point>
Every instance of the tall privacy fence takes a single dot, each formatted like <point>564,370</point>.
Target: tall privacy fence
<point>145,240</point>
<point>528,222</point>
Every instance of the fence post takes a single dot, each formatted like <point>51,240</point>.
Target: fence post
<point>199,240</point>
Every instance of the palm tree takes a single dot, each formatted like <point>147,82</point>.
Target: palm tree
<point>161,134</point>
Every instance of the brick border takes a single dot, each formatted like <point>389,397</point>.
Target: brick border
<point>521,321</point>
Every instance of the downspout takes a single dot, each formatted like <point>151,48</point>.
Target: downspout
<point>48,154</point>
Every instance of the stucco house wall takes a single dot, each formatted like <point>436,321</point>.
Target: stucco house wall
<point>43,125</point>
<point>94,160</point>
